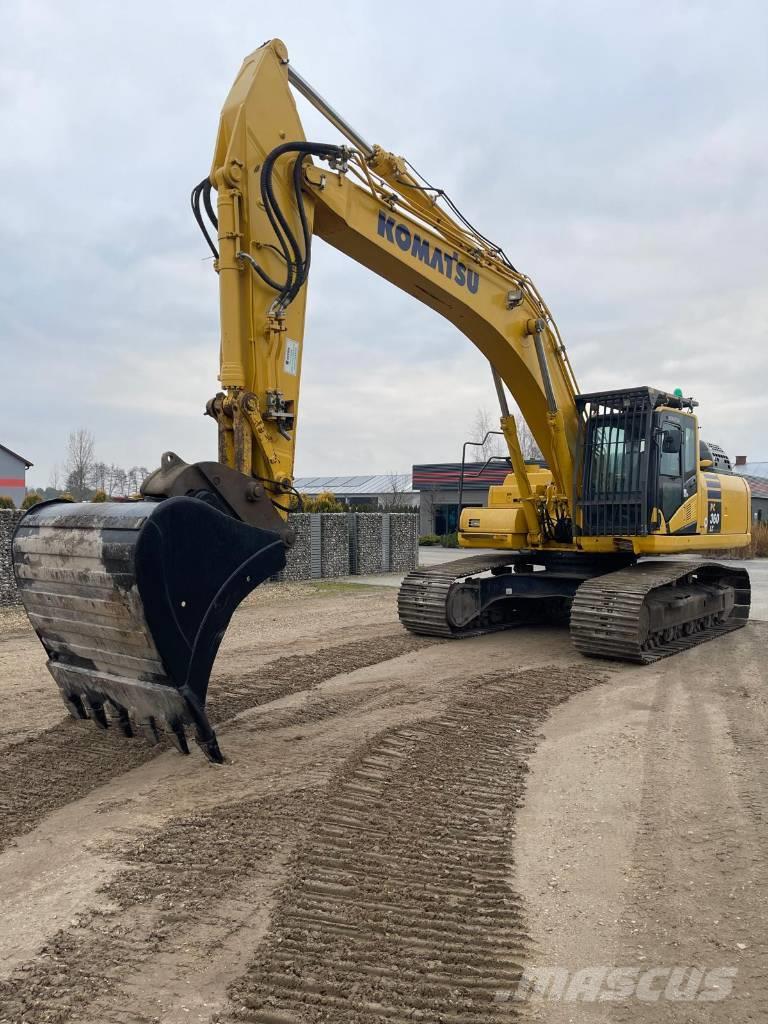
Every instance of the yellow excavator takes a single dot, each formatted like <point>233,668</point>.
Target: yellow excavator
<point>131,600</point>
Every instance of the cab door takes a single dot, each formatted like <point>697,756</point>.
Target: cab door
<point>677,449</point>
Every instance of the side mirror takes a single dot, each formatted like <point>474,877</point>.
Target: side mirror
<point>706,463</point>
<point>672,442</point>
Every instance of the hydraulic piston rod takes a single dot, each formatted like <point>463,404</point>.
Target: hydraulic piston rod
<point>302,85</point>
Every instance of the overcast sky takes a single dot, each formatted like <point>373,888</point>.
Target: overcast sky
<point>617,150</point>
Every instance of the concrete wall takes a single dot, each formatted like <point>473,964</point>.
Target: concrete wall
<point>8,522</point>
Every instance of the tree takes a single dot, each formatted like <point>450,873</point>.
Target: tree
<point>135,477</point>
<point>81,462</point>
<point>531,451</point>
<point>394,497</point>
<point>116,480</point>
<point>496,445</point>
<point>54,481</point>
<point>100,476</point>
<point>482,424</point>
<point>99,496</point>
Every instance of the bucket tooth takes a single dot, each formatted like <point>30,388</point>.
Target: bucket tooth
<point>210,747</point>
<point>179,737</point>
<point>123,722</point>
<point>151,732</point>
<point>131,601</point>
<point>96,712</point>
<point>75,706</point>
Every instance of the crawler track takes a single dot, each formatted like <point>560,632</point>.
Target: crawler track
<point>606,613</point>
<point>423,596</point>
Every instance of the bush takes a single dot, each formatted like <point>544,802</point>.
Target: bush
<point>33,498</point>
<point>6,501</point>
<point>449,540</point>
<point>428,540</point>
<point>100,496</point>
<point>326,501</point>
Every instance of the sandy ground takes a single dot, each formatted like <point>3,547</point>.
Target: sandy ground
<point>402,828</point>
<point>642,840</point>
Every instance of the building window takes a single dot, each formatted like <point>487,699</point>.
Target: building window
<point>446,519</point>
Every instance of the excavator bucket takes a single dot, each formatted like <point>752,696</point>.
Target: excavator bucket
<point>131,601</point>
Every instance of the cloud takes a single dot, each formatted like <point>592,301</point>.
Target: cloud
<point>617,151</point>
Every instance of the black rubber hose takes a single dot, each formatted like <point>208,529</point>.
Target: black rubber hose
<point>289,259</point>
<point>207,201</point>
<point>304,149</point>
<point>195,203</point>
<point>307,234</point>
<point>297,263</point>
<point>204,189</point>
<point>276,214</point>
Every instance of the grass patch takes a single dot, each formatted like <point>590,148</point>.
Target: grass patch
<point>336,587</point>
<point>757,549</point>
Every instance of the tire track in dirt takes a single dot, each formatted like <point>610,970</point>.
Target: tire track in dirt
<point>176,893</point>
<point>398,888</point>
<point>701,832</point>
<point>71,759</point>
<point>399,905</point>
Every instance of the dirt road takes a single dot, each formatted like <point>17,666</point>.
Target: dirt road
<point>391,838</point>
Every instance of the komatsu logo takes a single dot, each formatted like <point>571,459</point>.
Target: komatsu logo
<point>419,248</point>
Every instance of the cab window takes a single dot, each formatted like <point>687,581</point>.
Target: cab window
<point>682,464</point>
<point>670,463</point>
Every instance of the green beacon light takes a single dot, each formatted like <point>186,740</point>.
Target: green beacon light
<point>678,392</point>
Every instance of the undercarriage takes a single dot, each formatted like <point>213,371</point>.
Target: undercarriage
<point>617,608</point>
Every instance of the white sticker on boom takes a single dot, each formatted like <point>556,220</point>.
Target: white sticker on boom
<point>291,363</point>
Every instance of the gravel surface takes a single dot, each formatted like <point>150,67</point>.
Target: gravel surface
<point>402,829</point>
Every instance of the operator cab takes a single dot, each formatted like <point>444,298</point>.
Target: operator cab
<point>640,466</point>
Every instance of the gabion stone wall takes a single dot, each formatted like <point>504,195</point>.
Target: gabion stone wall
<point>298,562</point>
<point>335,545</point>
<point>383,542</point>
<point>368,529</point>
<point>9,518</point>
<point>403,542</point>
<point>321,549</point>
